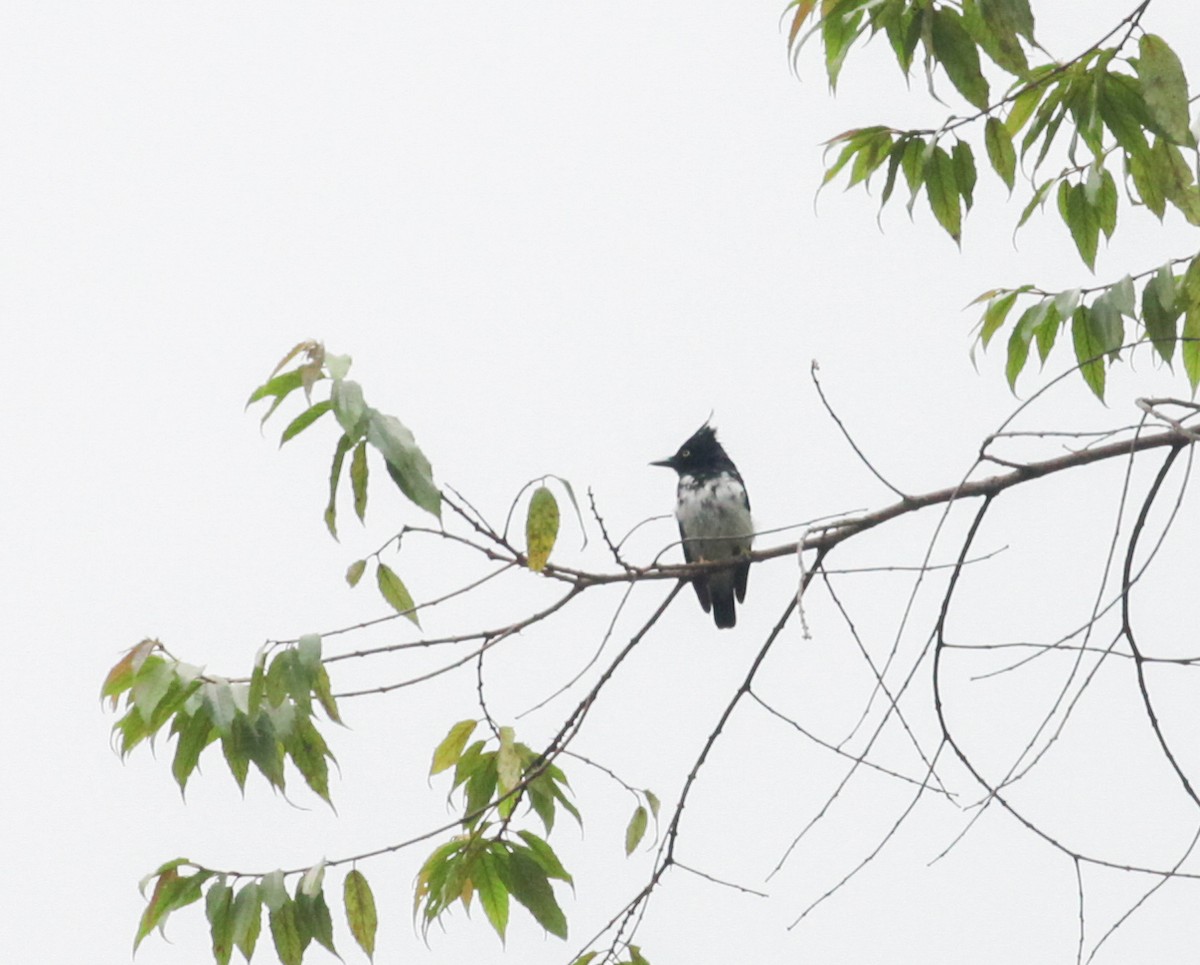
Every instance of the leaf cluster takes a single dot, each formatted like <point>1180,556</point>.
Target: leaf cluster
<point>235,917</point>
<point>361,426</point>
<point>263,722</point>
<point>1167,314</point>
<point>487,859</point>
<point>1120,110</point>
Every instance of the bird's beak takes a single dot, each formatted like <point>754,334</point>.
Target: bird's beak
<point>668,463</point>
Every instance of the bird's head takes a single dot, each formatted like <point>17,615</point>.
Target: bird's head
<point>702,453</point>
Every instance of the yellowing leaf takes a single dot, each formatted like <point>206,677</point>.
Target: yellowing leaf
<point>508,762</point>
<point>360,911</point>
<point>636,829</point>
<point>447,753</point>
<point>355,571</point>
<point>1164,86</point>
<point>395,592</point>
<point>541,528</point>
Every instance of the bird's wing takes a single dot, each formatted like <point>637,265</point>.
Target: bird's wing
<point>740,575</point>
<point>700,582</point>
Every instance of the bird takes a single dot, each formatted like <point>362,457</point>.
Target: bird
<point>713,512</point>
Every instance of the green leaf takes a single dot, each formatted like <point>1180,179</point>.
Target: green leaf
<point>448,752</point>
<point>959,57</point>
<point>1000,150</point>
<point>349,407</point>
<point>246,918</point>
<point>335,475</point>
<point>840,27</point>
<point>529,885</point>
<point>1106,204</point>
<point>636,829</point>
<point>1018,352</point>
<point>274,889</point>
<point>1001,45</point>
<point>541,528</point>
<point>1088,351</point>
<point>1191,345</point>
<point>406,464</point>
<point>994,315</point>
<point>171,892</point>
<point>308,751</point>
<point>544,855</point>
<point>652,800</point>
<point>360,911</point>
<point>354,572</point>
<point>358,479</point>
<point>218,905</point>
<point>1083,221</point>
<point>304,420</point>
<point>192,740</point>
<point>1165,87</point>
<point>1146,181</point>
<point>1123,110</point>
<point>308,652</point>
<point>1159,316</point>
<point>1023,106</point>
<point>324,694</point>
<point>493,894</point>
<point>873,153</point>
<point>321,921</point>
<point>942,190</point>
<point>964,172</point>
<point>151,684</point>
<point>279,388</point>
<point>396,593</point>
<point>903,32</point>
<point>289,945</point>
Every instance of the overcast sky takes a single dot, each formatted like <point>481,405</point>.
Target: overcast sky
<point>554,238</point>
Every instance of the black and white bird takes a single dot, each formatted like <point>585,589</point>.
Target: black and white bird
<point>713,511</point>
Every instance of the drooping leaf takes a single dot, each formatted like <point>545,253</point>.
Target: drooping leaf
<point>508,763</point>
<point>994,315</point>
<point>335,475</point>
<point>1083,221</point>
<point>192,740</point>
<point>406,463</point>
<point>544,855</point>
<point>396,593</point>
<point>358,479</point>
<point>354,572</point>
<point>218,908</point>
<point>959,57</point>
<point>1123,109</point>
<point>1088,351</point>
<point>1145,179</point>
<point>360,911</point>
<point>541,528</point>
<point>246,918</point>
<point>493,894</point>
<point>964,172</point>
<point>285,930</point>
<point>636,829</point>
<point>1165,88</point>
<point>448,752</point>
<point>942,190</point>
<point>1190,350</point>
<point>528,883</point>
<point>349,407</point>
<point>1000,150</point>
<point>1160,317</point>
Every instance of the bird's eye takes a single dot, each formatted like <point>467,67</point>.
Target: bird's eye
<point>684,453</point>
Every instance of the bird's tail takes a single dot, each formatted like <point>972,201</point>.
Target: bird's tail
<point>723,610</point>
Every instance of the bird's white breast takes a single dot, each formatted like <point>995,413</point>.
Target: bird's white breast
<point>714,517</point>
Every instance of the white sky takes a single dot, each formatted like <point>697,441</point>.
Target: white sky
<point>554,238</point>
